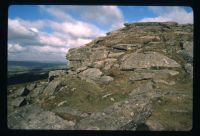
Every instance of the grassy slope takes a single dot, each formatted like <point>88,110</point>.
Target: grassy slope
<point>88,96</point>
<point>174,110</point>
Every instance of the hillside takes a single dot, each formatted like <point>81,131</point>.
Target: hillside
<point>136,78</point>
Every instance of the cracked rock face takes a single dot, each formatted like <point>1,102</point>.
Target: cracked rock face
<point>91,74</point>
<point>52,87</point>
<point>147,60</point>
<point>138,77</point>
<point>32,117</point>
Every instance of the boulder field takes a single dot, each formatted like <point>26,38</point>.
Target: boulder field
<point>138,77</point>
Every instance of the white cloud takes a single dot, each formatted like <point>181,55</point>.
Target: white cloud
<point>77,29</point>
<point>177,14</point>
<point>30,40</point>
<point>48,49</point>
<point>14,48</point>
<point>102,15</point>
<point>156,19</point>
<point>61,37</point>
<point>23,38</point>
<point>51,40</point>
<point>16,30</point>
<point>35,30</point>
<point>57,11</point>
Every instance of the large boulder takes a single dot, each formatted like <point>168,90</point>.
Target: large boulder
<point>52,87</point>
<point>31,86</point>
<point>91,74</point>
<point>34,117</point>
<point>78,54</point>
<point>106,79</point>
<point>18,102</point>
<point>22,91</point>
<point>85,56</point>
<point>56,73</point>
<point>37,91</point>
<point>146,60</point>
<point>78,57</point>
<point>75,64</point>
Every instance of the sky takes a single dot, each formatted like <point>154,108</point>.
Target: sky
<point>46,32</point>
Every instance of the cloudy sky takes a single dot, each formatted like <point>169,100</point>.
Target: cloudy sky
<point>46,33</point>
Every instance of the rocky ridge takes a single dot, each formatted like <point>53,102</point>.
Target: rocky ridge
<point>136,78</point>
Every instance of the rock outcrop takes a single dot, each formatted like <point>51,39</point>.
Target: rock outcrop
<point>52,87</point>
<point>22,91</point>
<point>18,102</point>
<point>55,74</point>
<point>131,79</point>
<point>33,117</point>
<point>146,60</point>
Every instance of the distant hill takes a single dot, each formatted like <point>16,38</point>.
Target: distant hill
<point>34,63</point>
<point>28,71</point>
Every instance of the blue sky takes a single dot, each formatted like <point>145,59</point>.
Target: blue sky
<point>46,33</point>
